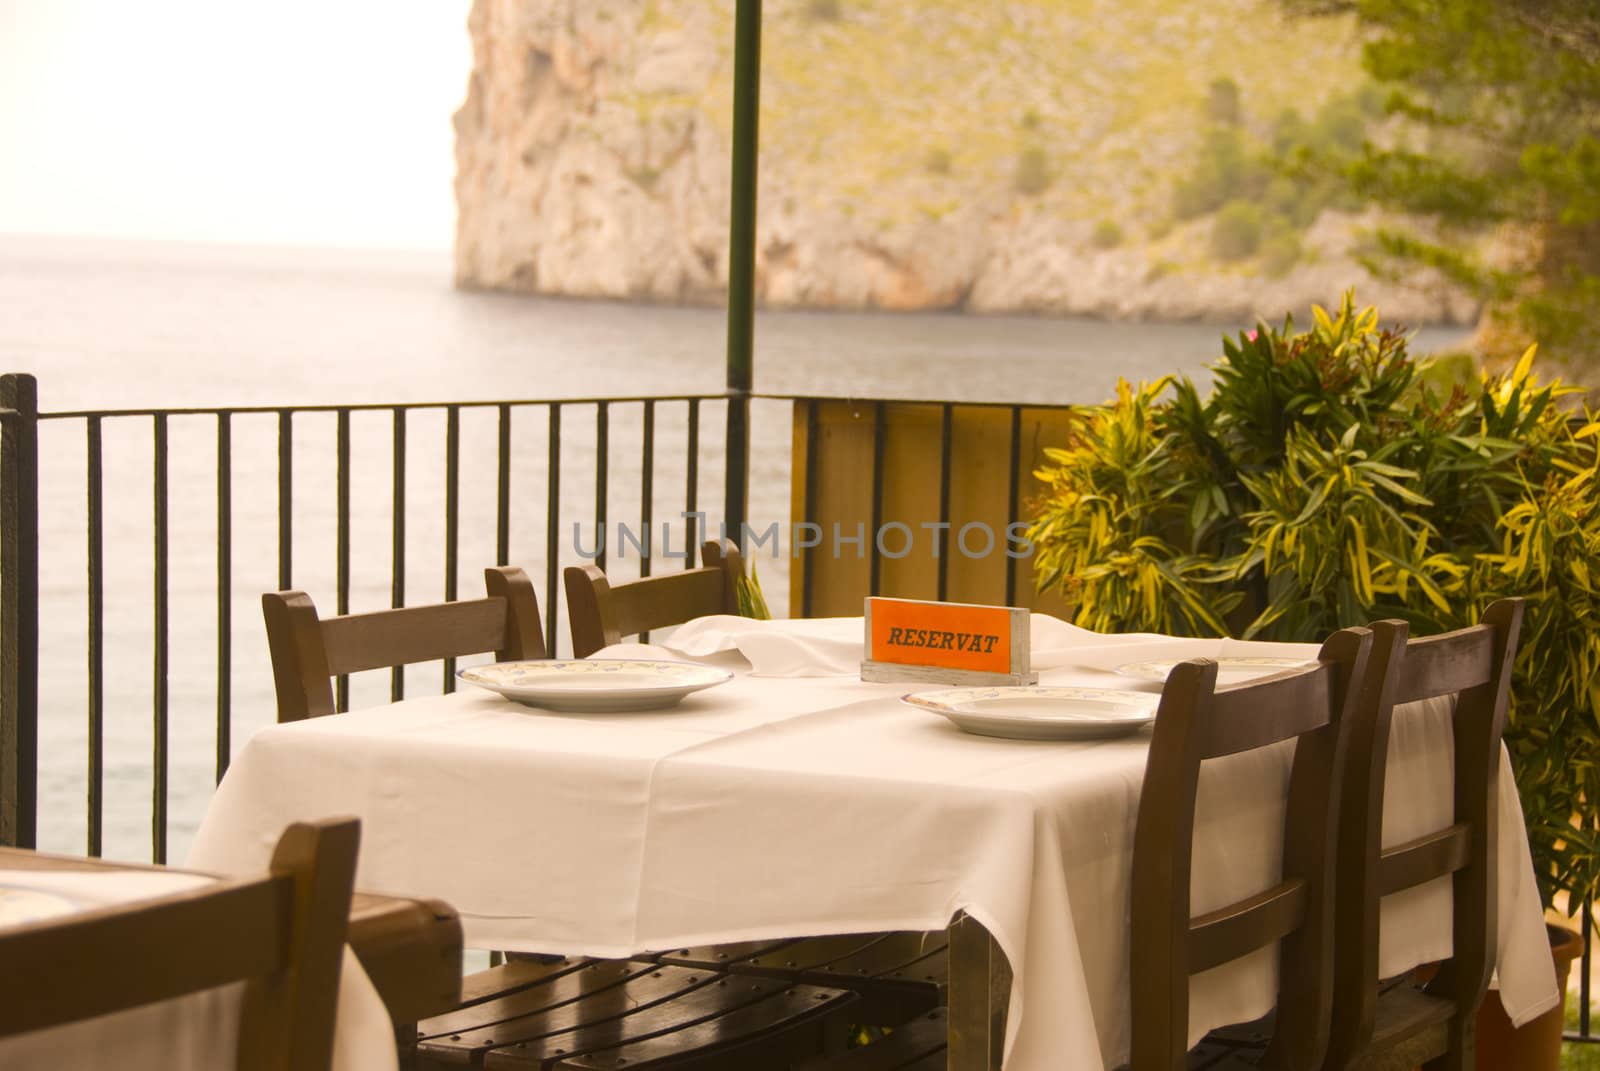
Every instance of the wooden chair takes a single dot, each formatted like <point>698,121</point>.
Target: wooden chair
<point>308,652</point>
<point>1406,1025</point>
<point>603,613</point>
<point>285,933</point>
<point>1197,722</point>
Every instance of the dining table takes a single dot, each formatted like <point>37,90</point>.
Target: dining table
<point>402,938</point>
<point>797,800</point>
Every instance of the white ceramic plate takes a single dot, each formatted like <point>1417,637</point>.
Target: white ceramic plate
<point>600,685</point>
<point>1041,713</point>
<point>1230,670</point>
<point>20,905</point>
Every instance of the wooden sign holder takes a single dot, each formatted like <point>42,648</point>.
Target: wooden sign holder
<point>941,627</point>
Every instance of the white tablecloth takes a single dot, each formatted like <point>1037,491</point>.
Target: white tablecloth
<point>818,804</point>
<point>198,1032</point>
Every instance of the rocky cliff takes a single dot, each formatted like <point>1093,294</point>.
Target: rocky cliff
<point>1005,156</point>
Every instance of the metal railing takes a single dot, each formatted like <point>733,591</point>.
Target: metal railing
<point>20,421</point>
<point>19,554</point>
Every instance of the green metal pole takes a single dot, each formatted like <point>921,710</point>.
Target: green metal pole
<point>742,260</point>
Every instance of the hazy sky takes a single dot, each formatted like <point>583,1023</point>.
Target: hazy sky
<point>322,122</point>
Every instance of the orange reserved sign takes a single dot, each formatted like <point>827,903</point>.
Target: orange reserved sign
<point>942,635</point>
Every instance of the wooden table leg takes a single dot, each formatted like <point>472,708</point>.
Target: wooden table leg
<point>980,990</point>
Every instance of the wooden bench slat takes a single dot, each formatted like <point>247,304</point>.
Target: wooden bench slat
<point>562,1000</point>
<point>771,1031</point>
<point>720,957</point>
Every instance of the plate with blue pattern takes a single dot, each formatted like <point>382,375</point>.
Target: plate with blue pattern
<point>602,685</point>
<point>1041,712</point>
<point>1231,669</point>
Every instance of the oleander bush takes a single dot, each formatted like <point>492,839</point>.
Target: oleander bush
<point>1329,479</point>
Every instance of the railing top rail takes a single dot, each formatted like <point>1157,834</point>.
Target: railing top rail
<point>385,407</point>
<point>873,400</point>
<point>479,403</point>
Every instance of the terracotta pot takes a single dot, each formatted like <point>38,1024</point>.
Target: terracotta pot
<point>1536,1045</point>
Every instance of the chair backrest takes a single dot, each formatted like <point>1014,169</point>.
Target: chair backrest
<point>603,613</point>
<point>284,933</point>
<point>308,652</point>
<point>1474,665</point>
<point>1198,721</point>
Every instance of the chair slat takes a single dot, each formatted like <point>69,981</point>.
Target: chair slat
<point>386,638</point>
<point>602,613</point>
<point>1446,664</point>
<point>1240,928</point>
<point>1238,720</point>
<point>1442,852</point>
<point>667,599</point>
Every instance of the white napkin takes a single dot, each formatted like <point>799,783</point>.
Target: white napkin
<point>729,658</point>
<point>1057,645</point>
<point>809,647</point>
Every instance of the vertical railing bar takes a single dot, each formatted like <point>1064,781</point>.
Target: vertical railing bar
<point>341,570</point>
<point>691,496</point>
<point>158,803</point>
<point>224,593</point>
<point>1583,976</point>
<point>736,477</point>
<point>945,537</point>
<point>552,532</point>
<point>285,499</point>
<point>602,452</point>
<point>452,518</point>
<point>813,429</point>
<point>397,546</point>
<point>96,555</point>
<point>647,485</point>
<point>875,571</point>
<point>647,464</point>
<point>502,528</point>
<point>19,611</point>
<point>1013,492</point>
